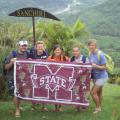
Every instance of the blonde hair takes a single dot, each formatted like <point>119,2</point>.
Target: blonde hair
<point>92,41</point>
<point>40,42</point>
<point>76,46</point>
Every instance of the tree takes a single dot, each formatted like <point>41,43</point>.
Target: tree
<point>59,33</point>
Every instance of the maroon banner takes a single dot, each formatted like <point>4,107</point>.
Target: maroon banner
<point>52,82</point>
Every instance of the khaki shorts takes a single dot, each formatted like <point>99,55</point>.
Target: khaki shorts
<point>100,82</point>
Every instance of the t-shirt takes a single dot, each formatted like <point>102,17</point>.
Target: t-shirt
<point>34,55</point>
<point>10,72</point>
<point>96,73</point>
<point>58,59</point>
<point>80,59</point>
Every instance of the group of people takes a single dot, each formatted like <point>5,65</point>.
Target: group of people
<point>98,75</point>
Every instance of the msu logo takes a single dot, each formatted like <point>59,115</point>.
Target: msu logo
<point>52,81</point>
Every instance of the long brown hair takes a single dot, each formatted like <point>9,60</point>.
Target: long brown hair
<point>54,48</point>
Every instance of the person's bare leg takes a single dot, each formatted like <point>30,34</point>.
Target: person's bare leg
<point>33,106</point>
<point>56,107</point>
<point>100,96</point>
<point>43,107</point>
<point>17,106</point>
<point>94,94</point>
<point>60,108</point>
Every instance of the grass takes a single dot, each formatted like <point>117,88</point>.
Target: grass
<point>111,109</point>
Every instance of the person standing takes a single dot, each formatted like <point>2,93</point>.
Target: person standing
<point>58,56</point>
<point>21,52</point>
<point>39,53</point>
<point>80,59</point>
<point>99,74</point>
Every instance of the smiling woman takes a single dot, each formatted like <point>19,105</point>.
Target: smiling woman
<point>58,55</point>
<point>99,74</point>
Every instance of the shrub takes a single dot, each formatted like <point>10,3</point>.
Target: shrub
<point>118,80</point>
<point>115,76</point>
<point>3,88</point>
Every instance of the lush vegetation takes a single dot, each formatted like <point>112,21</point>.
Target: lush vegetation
<point>101,20</point>
<point>111,46</point>
<point>110,110</point>
<point>50,32</point>
<point>7,6</point>
<point>55,33</point>
<point>115,77</point>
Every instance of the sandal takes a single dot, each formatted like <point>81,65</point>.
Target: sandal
<point>77,109</point>
<point>33,108</point>
<point>44,109</point>
<point>60,110</point>
<point>97,110</point>
<point>17,114</point>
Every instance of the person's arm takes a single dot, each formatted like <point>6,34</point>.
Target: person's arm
<point>102,65</point>
<point>10,64</point>
<point>67,59</point>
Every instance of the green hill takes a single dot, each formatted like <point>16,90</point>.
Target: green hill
<point>55,6</point>
<point>6,6</point>
<point>102,19</point>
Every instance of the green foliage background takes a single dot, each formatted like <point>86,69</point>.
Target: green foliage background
<point>50,32</point>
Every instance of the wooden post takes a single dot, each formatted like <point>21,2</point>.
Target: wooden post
<point>33,22</point>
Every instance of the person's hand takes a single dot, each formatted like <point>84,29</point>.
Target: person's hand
<point>29,58</point>
<point>52,60</point>
<point>80,62</point>
<point>13,60</point>
<point>94,65</point>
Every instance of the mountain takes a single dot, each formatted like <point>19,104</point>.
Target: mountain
<point>7,6</point>
<point>100,16</point>
<point>55,6</point>
<point>78,5</point>
<point>102,19</point>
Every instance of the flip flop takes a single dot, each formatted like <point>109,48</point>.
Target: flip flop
<point>17,114</point>
<point>33,108</point>
<point>44,109</point>
<point>77,109</point>
<point>60,110</point>
<point>97,110</point>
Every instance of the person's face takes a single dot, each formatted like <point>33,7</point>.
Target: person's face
<point>58,52</point>
<point>40,47</point>
<point>76,52</point>
<point>92,47</point>
<point>23,48</point>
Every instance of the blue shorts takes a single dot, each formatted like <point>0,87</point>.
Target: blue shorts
<point>100,82</point>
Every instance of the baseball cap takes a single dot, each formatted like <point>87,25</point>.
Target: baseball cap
<point>23,42</point>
